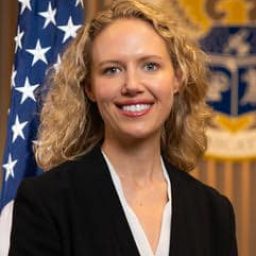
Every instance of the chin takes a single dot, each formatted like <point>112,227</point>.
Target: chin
<point>141,135</point>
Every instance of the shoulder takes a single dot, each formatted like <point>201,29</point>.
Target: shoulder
<point>199,193</point>
<point>204,209</point>
<point>81,172</point>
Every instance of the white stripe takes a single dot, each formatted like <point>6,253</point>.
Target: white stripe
<point>5,228</point>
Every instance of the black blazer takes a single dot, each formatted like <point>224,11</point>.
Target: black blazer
<point>74,210</point>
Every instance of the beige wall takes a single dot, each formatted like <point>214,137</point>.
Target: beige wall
<point>236,180</point>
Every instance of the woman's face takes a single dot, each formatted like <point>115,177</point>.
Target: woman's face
<point>132,80</point>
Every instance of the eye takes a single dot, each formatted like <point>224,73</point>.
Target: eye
<point>111,70</point>
<point>151,66</point>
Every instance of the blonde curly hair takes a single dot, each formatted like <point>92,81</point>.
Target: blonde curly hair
<point>71,124</point>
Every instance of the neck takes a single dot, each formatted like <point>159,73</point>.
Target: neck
<point>138,161</point>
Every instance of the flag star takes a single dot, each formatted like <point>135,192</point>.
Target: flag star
<point>49,15</point>
<point>14,73</point>
<point>57,64</point>
<point>79,2</point>
<point>38,53</point>
<point>27,91</point>
<point>9,167</point>
<point>70,29</point>
<point>25,4</point>
<point>17,129</point>
<point>18,38</point>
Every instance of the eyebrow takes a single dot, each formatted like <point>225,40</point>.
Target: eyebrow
<point>106,62</point>
<point>118,62</point>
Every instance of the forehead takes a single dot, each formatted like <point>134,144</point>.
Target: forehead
<point>128,37</point>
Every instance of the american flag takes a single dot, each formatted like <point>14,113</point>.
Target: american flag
<point>44,27</point>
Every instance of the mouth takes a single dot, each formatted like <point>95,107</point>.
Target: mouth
<point>136,107</point>
<point>135,110</point>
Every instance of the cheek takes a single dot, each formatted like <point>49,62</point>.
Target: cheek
<point>100,91</point>
<point>104,98</point>
<point>104,89</point>
<point>166,90</point>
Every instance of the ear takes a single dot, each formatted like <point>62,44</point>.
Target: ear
<point>89,92</point>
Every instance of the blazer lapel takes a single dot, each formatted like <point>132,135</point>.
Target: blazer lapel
<point>179,239</point>
<point>111,205</point>
<point>192,228</point>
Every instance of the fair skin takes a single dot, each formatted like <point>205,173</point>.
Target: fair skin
<point>133,83</point>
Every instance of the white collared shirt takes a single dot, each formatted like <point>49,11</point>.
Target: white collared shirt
<point>138,233</point>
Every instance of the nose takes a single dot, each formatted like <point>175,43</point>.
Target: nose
<point>132,82</point>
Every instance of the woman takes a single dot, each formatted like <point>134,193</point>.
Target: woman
<point>122,123</point>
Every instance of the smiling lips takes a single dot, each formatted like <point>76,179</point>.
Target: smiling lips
<point>135,110</point>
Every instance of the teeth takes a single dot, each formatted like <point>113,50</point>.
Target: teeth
<point>136,107</point>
